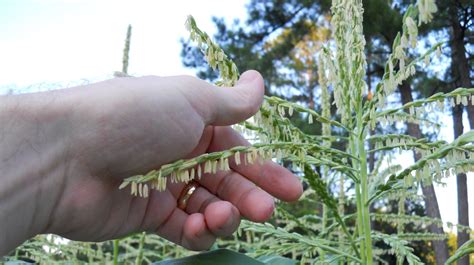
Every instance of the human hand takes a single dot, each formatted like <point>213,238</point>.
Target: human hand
<point>94,136</point>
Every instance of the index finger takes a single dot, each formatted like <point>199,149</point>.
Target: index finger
<point>271,177</point>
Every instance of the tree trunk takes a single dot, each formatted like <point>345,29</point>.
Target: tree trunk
<point>440,247</point>
<point>460,64</point>
<point>460,70</point>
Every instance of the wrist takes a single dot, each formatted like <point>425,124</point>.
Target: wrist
<point>33,161</point>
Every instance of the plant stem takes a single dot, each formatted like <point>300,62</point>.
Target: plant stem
<point>364,185</point>
<point>126,50</point>
<point>400,225</point>
<point>340,208</point>
<point>116,251</point>
<point>365,198</point>
<point>138,261</point>
<point>360,227</point>
<point>324,224</point>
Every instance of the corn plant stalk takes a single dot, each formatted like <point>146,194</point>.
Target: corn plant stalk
<point>326,132</point>
<point>126,50</point>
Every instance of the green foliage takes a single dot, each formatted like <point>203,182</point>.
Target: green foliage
<point>227,257</point>
<point>295,240</point>
<point>52,249</point>
<point>399,247</point>
<point>465,249</point>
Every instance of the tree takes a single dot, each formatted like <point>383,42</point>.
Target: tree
<point>457,22</point>
<point>461,15</point>
<point>250,49</point>
<point>456,28</point>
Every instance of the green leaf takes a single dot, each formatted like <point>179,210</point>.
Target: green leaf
<point>464,139</point>
<point>465,249</point>
<point>215,257</point>
<point>396,42</point>
<point>277,260</point>
<point>318,185</point>
<point>283,235</point>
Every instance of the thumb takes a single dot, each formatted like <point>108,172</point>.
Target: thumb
<point>240,102</point>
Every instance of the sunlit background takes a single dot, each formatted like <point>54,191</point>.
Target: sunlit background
<point>54,44</point>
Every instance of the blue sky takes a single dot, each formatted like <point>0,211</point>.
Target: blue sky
<point>48,44</point>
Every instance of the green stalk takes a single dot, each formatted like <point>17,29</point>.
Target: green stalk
<point>138,261</point>
<point>340,209</point>
<point>364,186</point>
<point>365,198</point>
<point>400,226</point>
<point>324,224</point>
<point>325,216</point>
<point>116,251</point>
<point>360,227</point>
<point>126,50</point>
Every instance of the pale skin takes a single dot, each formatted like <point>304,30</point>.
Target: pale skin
<point>63,155</point>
